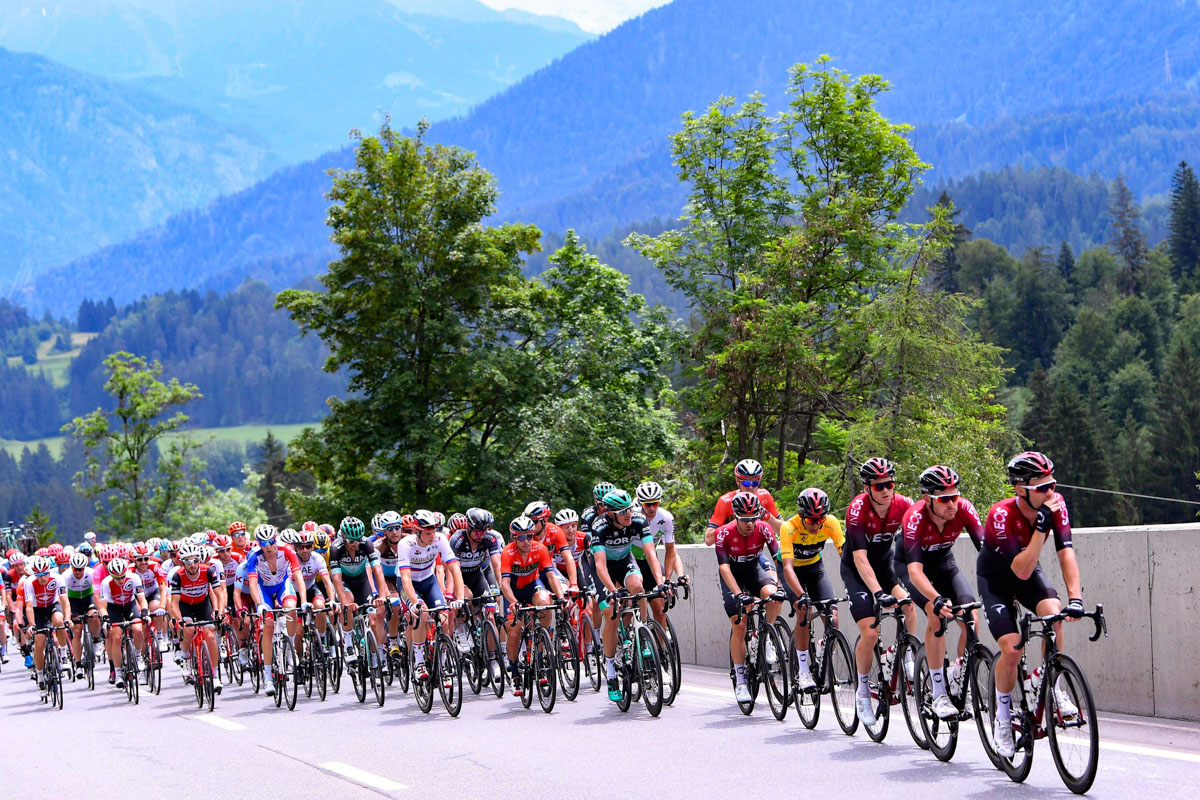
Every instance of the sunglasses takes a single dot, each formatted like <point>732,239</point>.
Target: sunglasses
<point>651,504</point>
<point>224,549</point>
<point>304,547</point>
<point>191,562</point>
<point>946,498</point>
<point>270,543</point>
<point>751,484</point>
<point>1048,486</point>
<point>627,512</point>
<point>523,537</point>
<point>42,574</point>
<point>813,520</point>
<point>882,487</point>
<point>747,519</point>
<point>140,559</point>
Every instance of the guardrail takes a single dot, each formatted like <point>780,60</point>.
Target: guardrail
<point>1146,576</point>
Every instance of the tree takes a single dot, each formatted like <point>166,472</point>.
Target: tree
<point>1175,436</point>
<point>944,271</point>
<point>1038,424</point>
<point>1128,241</point>
<point>135,483</point>
<point>1183,244</point>
<point>1066,262</point>
<point>1079,457</point>
<point>38,523</point>
<point>275,481</point>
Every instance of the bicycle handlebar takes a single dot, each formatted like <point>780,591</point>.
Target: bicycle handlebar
<point>893,611</point>
<point>959,612</point>
<point>1096,616</point>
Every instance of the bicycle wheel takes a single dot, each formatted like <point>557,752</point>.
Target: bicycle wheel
<point>335,657</point>
<point>307,662</point>
<point>448,669</point>
<point>129,667</point>
<point>568,661</point>
<point>545,669</point>
<point>978,674</point>
<point>775,677</point>
<point>595,655</point>
<point>625,685</point>
<point>256,664</point>
<point>228,662</point>
<point>881,697</point>
<point>375,666</point>
<point>287,672</point>
<point>422,690</point>
<point>914,711</point>
<point>1017,768</point>
<point>650,671</point>
<point>495,649</point>
<point>668,657</point>
<point>842,680</point>
<point>941,736</point>
<point>205,679</point>
<point>155,669</point>
<point>403,665</point>
<point>474,661</point>
<point>787,637</point>
<point>1074,737</point>
<point>56,692</point>
<point>87,649</point>
<point>276,672</point>
<point>357,668</point>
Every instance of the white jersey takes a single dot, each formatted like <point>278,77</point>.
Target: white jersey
<point>421,560</point>
<point>663,527</point>
<point>312,568</point>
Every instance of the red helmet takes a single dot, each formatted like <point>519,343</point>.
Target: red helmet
<point>408,523</point>
<point>458,522</point>
<point>105,553</point>
<point>211,534</point>
<point>309,527</point>
<point>746,504</point>
<point>222,541</point>
<point>237,527</point>
<point>141,549</point>
<point>42,551</point>
<point>53,549</point>
<point>62,557</point>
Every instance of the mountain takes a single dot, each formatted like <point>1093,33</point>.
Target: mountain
<point>583,142</point>
<point>301,73</point>
<point>89,161</point>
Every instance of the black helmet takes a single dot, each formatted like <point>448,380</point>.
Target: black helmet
<point>876,469</point>
<point>813,503</point>
<point>938,479</point>
<point>1029,466</point>
<point>746,504</point>
<point>480,519</point>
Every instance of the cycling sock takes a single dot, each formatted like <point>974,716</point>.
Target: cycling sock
<point>610,664</point>
<point>864,685</point>
<point>938,678</point>
<point>420,655</point>
<point>740,671</point>
<point>1003,705</point>
<point>802,658</point>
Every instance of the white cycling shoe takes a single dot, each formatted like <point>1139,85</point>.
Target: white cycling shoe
<point>1002,738</point>
<point>741,693</point>
<point>866,710</point>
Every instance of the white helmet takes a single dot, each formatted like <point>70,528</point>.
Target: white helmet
<point>79,561</point>
<point>118,567</point>
<point>649,492</point>
<point>39,564</point>
<point>566,516</point>
<point>287,536</point>
<point>188,550</point>
<point>427,520</point>
<point>266,532</point>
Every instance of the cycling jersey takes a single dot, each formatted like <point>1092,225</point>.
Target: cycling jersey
<point>193,590</point>
<point>616,542</point>
<point>525,570</point>
<point>866,531</point>
<point>1007,532</point>
<point>352,566</point>
<point>43,593</point>
<point>421,559</point>
<point>389,557</point>
<point>804,548</point>
<point>662,527</point>
<point>121,591</point>
<point>152,577</point>
<point>555,540</point>
<point>473,559</point>
<point>227,570</point>
<point>310,569</point>
<point>723,512</point>
<point>735,548</point>
<point>78,588</point>
<point>923,542</point>
<point>272,575</point>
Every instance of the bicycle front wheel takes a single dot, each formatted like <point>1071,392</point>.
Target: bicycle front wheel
<point>448,674</point>
<point>1017,768</point>
<point>842,680</point>
<point>650,673</point>
<point>1072,724</point>
<point>287,672</point>
<point>204,679</point>
<point>978,675</point>
<point>907,689</point>
<point>545,670</point>
<point>589,648</point>
<point>940,735</point>
<point>568,660</point>
<point>374,666</point>
<point>776,677</point>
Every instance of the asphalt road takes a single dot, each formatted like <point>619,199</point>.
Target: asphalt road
<point>701,747</point>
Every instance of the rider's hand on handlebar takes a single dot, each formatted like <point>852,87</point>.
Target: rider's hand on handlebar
<point>884,599</point>
<point>941,607</point>
<point>1074,608</point>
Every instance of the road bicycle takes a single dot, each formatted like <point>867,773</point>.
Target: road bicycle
<point>762,668</point>
<point>366,667</point>
<point>537,659</point>
<point>483,664</point>
<point>129,659</point>
<point>153,655</point>
<point>443,667</point>
<point>567,652</point>
<point>830,663</point>
<point>201,669</point>
<point>588,644</point>
<point>314,661</point>
<point>87,648</point>
<point>892,673</point>
<point>1074,737</point>
<point>668,641</point>
<point>51,666</point>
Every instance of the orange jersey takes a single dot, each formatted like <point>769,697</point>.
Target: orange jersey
<point>723,513</point>
<point>555,540</point>
<point>523,570</point>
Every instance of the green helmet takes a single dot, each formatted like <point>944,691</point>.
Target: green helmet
<point>617,500</point>
<point>352,528</point>
<point>601,489</point>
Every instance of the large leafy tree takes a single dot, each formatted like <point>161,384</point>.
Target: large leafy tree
<point>468,381</point>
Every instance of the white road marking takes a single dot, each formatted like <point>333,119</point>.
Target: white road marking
<point>361,776</point>
<point>224,724</point>
<point>1137,749</point>
<point>1168,726</point>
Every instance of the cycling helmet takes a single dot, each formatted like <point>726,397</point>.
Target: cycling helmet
<point>441,519</point>
<point>305,537</point>
<point>1029,466</point>
<point>41,551</point>
<point>237,527</point>
<point>16,560</point>
<point>62,558</point>
<point>328,529</point>
<point>105,554</point>
<point>53,549</point>
<point>746,504</point>
<point>812,503</point>
<point>176,545</point>
<point>377,523</point>
<point>408,524</point>
<point>309,526</point>
<point>165,546</point>
<point>353,528</point>
<point>287,536</point>
<point>222,542</point>
<point>190,550</point>
<point>648,492</point>
<point>263,533</point>
<point>321,540</point>
<point>521,525</point>
<point>480,519</point>
<point>566,516</point>
<point>388,518</point>
<point>617,500</point>
<point>537,511</point>
<point>458,522</point>
<point>79,561</point>
<point>40,565</point>
<point>601,489</point>
<point>85,548</point>
<point>118,567</point>
<point>90,536</point>
<point>938,479</point>
<point>426,520</point>
<point>208,552</point>
<point>141,549</point>
<point>748,470</point>
<point>876,469</point>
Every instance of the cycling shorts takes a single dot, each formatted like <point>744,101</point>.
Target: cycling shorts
<point>998,593</point>
<point>813,580</point>
<point>750,578</point>
<point>945,576</point>
<point>118,613</point>
<point>43,617</point>
<point>81,605</point>
<point>430,590</point>
<point>275,596</point>
<point>196,612</point>
<point>862,601</point>
<point>476,583</point>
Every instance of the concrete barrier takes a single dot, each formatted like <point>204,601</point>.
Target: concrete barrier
<point>1145,576</point>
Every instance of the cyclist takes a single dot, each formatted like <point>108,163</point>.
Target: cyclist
<point>196,596</point>
<point>662,527</point>
<point>613,536</point>
<point>419,555</point>
<point>387,543</point>
<point>312,567</point>
<point>1014,533</point>
<point>931,526</point>
<point>526,567</point>
<point>748,473</point>
<point>121,598</point>
<point>802,541</point>
<point>77,583</point>
<point>872,522</point>
<point>272,575</point>
<point>154,584</point>
<point>596,510</point>
<point>354,567</point>
<point>237,534</point>
<point>15,578</point>
<point>478,548</point>
<point>739,545</point>
<point>45,605</point>
<point>555,540</point>
<point>581,537</point>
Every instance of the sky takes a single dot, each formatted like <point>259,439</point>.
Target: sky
<point>596,16</point>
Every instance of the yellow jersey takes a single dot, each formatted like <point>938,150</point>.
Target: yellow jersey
<point>804,547</point>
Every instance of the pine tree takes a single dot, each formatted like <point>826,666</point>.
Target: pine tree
<point>1183,242</point>
<point>1066,262</point>
<point>1079,457</point>
<point>944,271</point>
<point>1128,241</point>
<point>1176,435</point>
<point>1038,426</point>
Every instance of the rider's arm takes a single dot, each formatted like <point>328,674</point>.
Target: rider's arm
<point>1026,561</point>
<point>1070,572</point>
<point>863,565</point>
<point>455,570</point>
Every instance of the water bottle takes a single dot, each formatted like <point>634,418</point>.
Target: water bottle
<point>889,658</point>
<point>956,675</point>
<point>752,650</point>
<point>1033,682</point>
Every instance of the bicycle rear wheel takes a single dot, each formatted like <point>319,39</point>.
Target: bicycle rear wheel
<point>568,660</point>
<point>650,672</point>
<point>130,670</point>
<point>941,736</point>
<point>842,680</point>
<point>1074,737</point>
<point>88,652</point>
<point>422,689</point>
<point>335,656</point>
<point>978,674</point>
<point>788,653</point>
<point>374,666</point>
<point>776,677</point>
<point>448,673</point>
<point>914,712</point>
<point>668,657</point>
<point>474,664</point>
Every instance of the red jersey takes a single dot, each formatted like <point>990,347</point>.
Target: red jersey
<point>152,577</point>
<point>866,531</point>
<point>555,540</point>
<point>193,590</point>
<point>43,593</point>
<point>1007,532</point>
<point>723,512</point>
<point>733,546</point>
<point>922,539</point>
<point>523,570</point>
